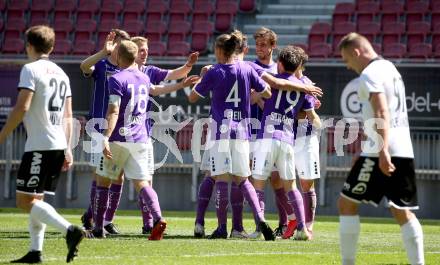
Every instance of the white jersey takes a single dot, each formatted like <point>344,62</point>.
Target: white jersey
<point>381,76</point>
<point>44,120</point>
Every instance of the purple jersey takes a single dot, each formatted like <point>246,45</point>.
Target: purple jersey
<point>280,112</point>
<point>102,71</point>
<point>304,128</point>
<point>133,87</point>
<point>156,76</point>
<point>230,85</point>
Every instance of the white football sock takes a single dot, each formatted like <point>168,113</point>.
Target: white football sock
<point>291,217</point>
<point>107,222</point>
<point>349,229</point>
<point>412,236</point>
<point>36,231</point>
<point>45,213</point>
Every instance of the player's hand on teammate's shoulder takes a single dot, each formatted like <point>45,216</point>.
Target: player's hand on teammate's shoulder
<point>68,160</point>
<point>313,90</point>
<point>385,164</point>
<point>190,80</point>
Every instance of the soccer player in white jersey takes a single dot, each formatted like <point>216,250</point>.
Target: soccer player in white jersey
<point>44,104</point>
<point>386,164</point>
<point>230,82</point>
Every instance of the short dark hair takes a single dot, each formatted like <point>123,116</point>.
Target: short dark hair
<point>289,58</point>
<point>229,43</point>
<point>264,32</point>
<point>301,54</point>
<point>243,43</point>
<point>41,37</point>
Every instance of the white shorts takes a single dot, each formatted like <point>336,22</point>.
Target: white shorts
<point>96,157</point>
<point>307,157</point>
<point>273,152</point>
<point>230,156</point>
<point>205,165</point>
<point>135,159</point>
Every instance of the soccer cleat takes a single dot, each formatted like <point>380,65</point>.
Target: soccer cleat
<point>279,231</point>
<point>290,231</point>
<point>111,229</point>
<point>87,223</point>
<point>97,233</point>
<point>146,230</point>
<point>303,235</point>
<point>218,234</point>
<point>255,235</point>
<point>266,231</point>
<point>238,234</point>
<point>158,230</point>
<point>74,236</point>
<point>31,257</point>
<point>199,231</point>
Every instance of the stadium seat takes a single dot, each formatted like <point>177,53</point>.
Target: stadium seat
<point>64,8</point>
<point>133,27</point>
<point>178,30</point>
<point>83,47</point>
<point>436,53</point>
<point>39,21</point>
<point>2,5</point>
<point>436,35</point>
<point>416,11</point>
<point>15,24</point>
<point>340,30</point>
<point>417,32</point>
<point>156,9</point>
<point>17,9</point>
<point>202,10</point>
<point>12,45</point>
<point>87,9</point>
<point>179,48</point>
<point>320,50</point>
<point>156,48</point>
<point>41,8</point>
<point>435,13</point>
<point>377,47</point>
<point>394,50</point>
<point>392,32</point>
<point>84,29</point>
<point>391,11</point>
<point>107,25</point>
<point>1,24</point>
<point>343,12</point>
<point>369,29</point>
<point>302,46</point>
<point>180,10</point>
<point>319,32</point>
<point>110,9</point>
<point>367,12</point>
<point>420,50</point>
<point>62,27</point>
<point>224,15</point>
<point>62,47</point>
<point>133,9</point>
<point>201,33</point>
<point>155,30</point>
<point>247,6</point>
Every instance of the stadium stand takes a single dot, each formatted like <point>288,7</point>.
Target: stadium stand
<point>203,10</point>
<point>367,11</point>
<point>343,12</point>
<point>180,10</point>
<point>155,30</point>
<point>200,35</point>
<point>247,6</point>
<point>87,9</point>
<point>62,47</point>
<point>178,48</point>
<point>369,29</point>
<point>156,48</point>
<point>64,8</point>
<point>394,50</point>
<point>391,11</point>
<point>319,32</point>
<point>110,10</point>
<point>420,50</point>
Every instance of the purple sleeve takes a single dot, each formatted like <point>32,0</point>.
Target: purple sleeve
<point>205,85</point>
<point>96,69</point>
<point>309,103</point>
<point>115,88</point>
<point>156,74</point>
<point>260,70</point>
<point>256,82</point>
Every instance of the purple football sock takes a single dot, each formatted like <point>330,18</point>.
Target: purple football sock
<point>309,205</point>
<point>251,196</point>
<point>147,218</point>
<point>296,201</point>
<point>260,195</point>
<point>282,206</point>
<point>101,204</point>
<point>89,213</point>
<point>149,196</point>
<point>221,203</point>
<point>205,192</point>
<point>114,196</point>
<point>236,198</point>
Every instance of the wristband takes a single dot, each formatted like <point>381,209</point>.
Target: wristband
<point>187,65</point>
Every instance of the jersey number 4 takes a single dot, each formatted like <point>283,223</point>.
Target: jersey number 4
<point>233,95</point>
<point>58,92</point>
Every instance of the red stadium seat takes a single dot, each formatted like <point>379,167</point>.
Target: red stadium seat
<point>436,53</point>
<point>178,30</point>
<point>62,27</point>
<point>87,9</point>
<point>416,11</point>
<point>202,10</point>
<point>367,11</point>
<point>377,47</point>
<point>417,32</point>
<point>13,46</point>
<point>302,46</point>
<point>39,21</point>
<point>201,33</point>
<point>110,9</point>
<point>247,6</point>
<point>392,32</point>
<point>17,8</point>
<point>2,5</point>
<point>15,24</point>
<point>224,15</point>
<point>420,50</point>
<point>83,47</point>
<point>179,48</point>
<point>343,12</point>
<point>41,8</point>
<point>319,32</point>
<point>180,10</point>
<point>436,35</point>
<point>1,23</point>
<point>320,50</point>
<point>85,28</point>
<point>156,48</point>
<point>64,8</point>
<point>340,30</point>
<point>435,13</point>
<point>133,27</point>
<point>391,11</point>
<point>369,29</point>
<point>156,30</point>
<point>133,9</point>
<point>107,25</point>
<point>394,50</point>
<point>62,47</point>
<point>156,9</point>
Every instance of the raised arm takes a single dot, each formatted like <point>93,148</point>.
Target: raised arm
<point>183,70</point>
<point>157,90</point>
<point>283,84</point>
<point>87,65</point>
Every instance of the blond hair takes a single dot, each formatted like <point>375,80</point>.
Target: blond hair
<point>41,37</point>
<point>127,51</point>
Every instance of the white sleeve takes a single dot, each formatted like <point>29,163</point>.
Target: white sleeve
<point>69,90</point>
<point>373,86</point>
<point>27,78</point>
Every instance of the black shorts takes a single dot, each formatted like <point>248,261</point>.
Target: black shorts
<point>39,171</point>
<point>366,183</point>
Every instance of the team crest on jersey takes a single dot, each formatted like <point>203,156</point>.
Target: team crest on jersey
<point>360,188</point>
<point>123,131</point>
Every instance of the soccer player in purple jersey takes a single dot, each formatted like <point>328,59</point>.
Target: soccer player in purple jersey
<point>101,66</point>
<point>126,144</point>
<point>275,139</point>
<point>230,82</point>
<point>156,75</point>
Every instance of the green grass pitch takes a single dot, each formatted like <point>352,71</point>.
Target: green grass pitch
<point>380,243</point>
